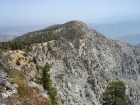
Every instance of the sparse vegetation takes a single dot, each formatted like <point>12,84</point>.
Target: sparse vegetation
<point>26,95</point>
<point>25,54</point>
<point>31,96</point>
<point>1,55</point>
<point>34,60</point>
<point>49,47</point>
<point>17,77</point>
<point>51,50</point>
<point>37,67</point>
<point>19,59</point>
<point>30,61</point>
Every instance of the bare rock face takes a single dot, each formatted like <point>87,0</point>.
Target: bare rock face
<point>83,63</point>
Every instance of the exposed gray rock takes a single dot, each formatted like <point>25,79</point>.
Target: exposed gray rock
<point>82,67</point>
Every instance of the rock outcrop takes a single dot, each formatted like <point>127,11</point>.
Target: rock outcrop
<point>83,62</point>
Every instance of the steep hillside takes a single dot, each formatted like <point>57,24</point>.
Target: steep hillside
<point>82,63</point>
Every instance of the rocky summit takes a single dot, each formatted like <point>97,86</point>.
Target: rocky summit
<point>82,63</point>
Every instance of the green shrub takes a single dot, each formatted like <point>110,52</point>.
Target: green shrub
<point>19,59</point>
<point>17,62</point>
<point>30,61</point>
<point>25,54</point>
<point>49,47</point>
<point>34,60</point>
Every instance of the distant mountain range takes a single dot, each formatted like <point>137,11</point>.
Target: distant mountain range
<point>117,29</point>
<point>138,45</point>
<point>130,39</point>
<point>19,30</point>
<point>8,33</point>
<point>4,38</point>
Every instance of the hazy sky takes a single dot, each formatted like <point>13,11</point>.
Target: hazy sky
<point>41,12</point>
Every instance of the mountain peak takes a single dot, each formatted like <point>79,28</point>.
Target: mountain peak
<point>69,30</point>
<point>68,24</point>
<point>77,22</point>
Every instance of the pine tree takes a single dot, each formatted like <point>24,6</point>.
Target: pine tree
<point>114,94</point>
<point>34,60</point>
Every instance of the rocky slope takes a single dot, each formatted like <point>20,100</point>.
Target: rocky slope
<point>82,63</point>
